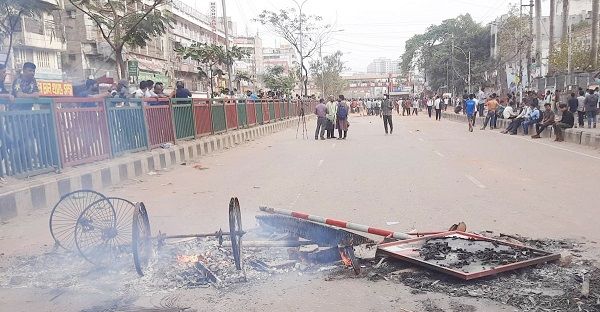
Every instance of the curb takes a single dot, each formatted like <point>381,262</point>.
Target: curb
<point>573,135</point>
<point>43,192</point>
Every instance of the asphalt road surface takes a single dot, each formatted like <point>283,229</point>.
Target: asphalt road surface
<point>426,176</point>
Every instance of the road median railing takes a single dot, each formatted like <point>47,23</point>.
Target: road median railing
<point>126,125</point>
<point>82,130</point>
<point>28,139</point>
<point>46,134</point>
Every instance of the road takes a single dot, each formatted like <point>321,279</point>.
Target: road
<point>427,175</point>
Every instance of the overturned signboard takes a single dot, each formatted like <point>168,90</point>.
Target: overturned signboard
<point>465,255</point>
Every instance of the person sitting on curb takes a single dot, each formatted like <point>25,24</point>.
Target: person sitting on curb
<point>533,118</point>
<point>567,120</point>
<point>515,123</point>
<point>509,112</point>
<point>547,121</point>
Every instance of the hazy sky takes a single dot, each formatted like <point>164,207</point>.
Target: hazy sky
<point>371,29</point>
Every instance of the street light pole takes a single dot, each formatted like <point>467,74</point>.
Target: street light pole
<point>225,23</point>
<point>301,46</point>
<point>469,83</point>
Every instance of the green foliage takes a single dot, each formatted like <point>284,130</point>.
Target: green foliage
<point>580,57</point>
<point>328,74</point>
<point>212,58</point>
<point>11,13</point>
<point>305,40</point>
<point>431,52</point>
<point>276,79</point>
<point>131,22</point>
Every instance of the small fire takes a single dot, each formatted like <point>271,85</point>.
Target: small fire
<point>345,259</point>
<point>189,258</point>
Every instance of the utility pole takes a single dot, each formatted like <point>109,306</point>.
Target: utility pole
<point>529,44</point>
<point>520,83</point>
<point>226,24</point>
<point>569,56</point>
<point>538,29</point>
<point>551,34</point>
<point>594,51</point>
<point>452,54</point>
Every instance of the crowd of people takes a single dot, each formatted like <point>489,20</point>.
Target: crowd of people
<point>330,116</point>
<point>537,111</point>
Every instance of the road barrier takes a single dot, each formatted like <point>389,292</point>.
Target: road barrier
<point>28,140</point>
<point>82,130</point>
<point>46,134</point>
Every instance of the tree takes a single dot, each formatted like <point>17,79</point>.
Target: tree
<point>432,51</point>
<point>551,34</point>
<point>130,22</point>
<point>240,77</point>
<point>327,74</point>
<point>580,57</point>
<point>305,40</point>
<point>594,50</point>
<point>212,58</point>
<point>11,13</point>
<point>277,80</point>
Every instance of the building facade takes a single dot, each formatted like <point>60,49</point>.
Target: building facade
<point>370,85</point>
<point>40,40</point>
<point>383,65</point>
<point>283,55</point>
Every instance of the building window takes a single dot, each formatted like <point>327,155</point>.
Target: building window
<point>34,25</point>
<point>20,56</point>
<point>43,59</point>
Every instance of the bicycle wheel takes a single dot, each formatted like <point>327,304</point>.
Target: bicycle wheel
<point>103,230</point>
<point>235,231</point>
<point>64,215</point>
<point>141,241</point>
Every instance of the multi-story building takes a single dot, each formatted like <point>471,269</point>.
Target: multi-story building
<point>252,64</point>
<point>370,85</point>
<point>383,65</point>
<point>284,56</point>
<point>39,40</point>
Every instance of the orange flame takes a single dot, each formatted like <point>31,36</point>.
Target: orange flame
<point>345,259</point>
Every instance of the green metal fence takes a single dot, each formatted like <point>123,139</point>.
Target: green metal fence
<point>259,112</point>
<point>28,143</point>
<point>126,125</point>
<point>242,114</point>
<point>272,110</point>
<point>183,118</point>
<point>218,116</point>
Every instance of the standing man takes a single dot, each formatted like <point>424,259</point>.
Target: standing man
<point>547,121</point>
<point>331,117</point>
<point>429,106</point>
<point>342,117</point>
<point>386,108</point>
<point>321,112</point>
<point>480,101</point>
<point>492,106</point>
<point>438,103</point>
<point>567,120</point>
<point>25,86</point>
<point>580,108</point>
<point>591,105</point>
<point>415,106</point>
<point>573,103</point>
<point>470,111</point>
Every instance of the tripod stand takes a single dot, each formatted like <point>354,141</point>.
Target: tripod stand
<point>301,118</point>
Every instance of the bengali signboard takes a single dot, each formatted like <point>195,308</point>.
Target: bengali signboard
<point>53,88</point>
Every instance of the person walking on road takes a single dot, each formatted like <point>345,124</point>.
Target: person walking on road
<point>321,112</point>
<point>429,106</point>
<point>342,117</point>
<point>567,120</point>
<point>591,106</point>
<point>331,117</point>
<point>415,106</point>
<point>492,107</point>
<point>471,111</point>
<point>386,111</point>
<point>438,103</point>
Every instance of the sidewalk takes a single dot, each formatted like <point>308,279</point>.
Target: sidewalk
<point>583,136</point>
<point>20,196</point>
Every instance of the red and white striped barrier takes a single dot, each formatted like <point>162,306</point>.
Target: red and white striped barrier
<point>338,223</point>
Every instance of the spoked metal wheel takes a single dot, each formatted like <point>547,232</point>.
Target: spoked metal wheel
<point>141,241</point>
<point>64,215</point>
<point>235,231</point>
<point>104,230</point>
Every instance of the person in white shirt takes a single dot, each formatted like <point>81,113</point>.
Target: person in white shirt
<point>481,101</point>
<point>509,112</point>
<point>438,108</point>
<point>429,106</point>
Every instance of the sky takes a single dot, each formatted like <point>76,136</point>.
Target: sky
<point>369,29</point>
